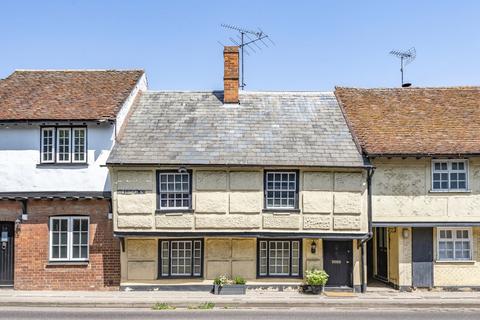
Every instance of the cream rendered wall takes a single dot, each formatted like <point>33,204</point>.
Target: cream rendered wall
<point>459,273</point>
<point>232,199</point>
<point>401,191</point>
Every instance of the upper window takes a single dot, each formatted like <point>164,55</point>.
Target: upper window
<point>180,258</point>
<point>454,244</point>
<point>281,190</point>
<point>69,238</point>
<point>174,190</point>
<point>448,175</point>
<point>279,258</point>
<point>63,145</point>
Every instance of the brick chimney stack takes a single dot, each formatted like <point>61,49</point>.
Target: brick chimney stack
<point>230,77</point>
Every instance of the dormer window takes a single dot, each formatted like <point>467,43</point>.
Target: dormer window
<point>63,145</point>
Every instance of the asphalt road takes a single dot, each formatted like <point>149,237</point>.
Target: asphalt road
<point>234,314</point>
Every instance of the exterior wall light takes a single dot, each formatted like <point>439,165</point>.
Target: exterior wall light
<point>313,247</point>
<point>405,233</point>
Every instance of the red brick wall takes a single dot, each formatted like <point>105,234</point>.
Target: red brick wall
<point>32,268</point>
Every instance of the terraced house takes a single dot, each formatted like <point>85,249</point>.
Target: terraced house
<point>56,131</point>
<point>262,185</point>
<point>425,145</point>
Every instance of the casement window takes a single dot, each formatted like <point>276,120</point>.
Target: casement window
<point>63,145</point>
<point>279,258</point>
<point>454,244</point>
<point>47,148</point>
<point>281,190</point>
<point>69,238</point>
<point>449,175</point>
<point>180,258</point>
<point>174,190</point>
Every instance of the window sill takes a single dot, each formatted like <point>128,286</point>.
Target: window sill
<point>60,164</point>
<point>281,211</point>
<point>67,263</point>
<point>173,211</point>
<point>450,191</point>
<point>469,262</point>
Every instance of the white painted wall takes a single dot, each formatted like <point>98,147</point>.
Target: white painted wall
<point>20,158</point>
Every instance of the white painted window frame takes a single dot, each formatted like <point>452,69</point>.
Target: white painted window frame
<point>167,192</point>
<point>273,189</point>
<point>454,239</point>
<point>449,171</point>
<point>73,145</point>
<point>166,258</point>
<point>69,238</point>
<point>42,144</point>
<point>265,253</point>
<point>69,130</point>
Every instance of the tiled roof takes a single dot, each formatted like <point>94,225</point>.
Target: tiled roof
<point>266,128</point>
<point>65,95</point>
<point>414,121</point>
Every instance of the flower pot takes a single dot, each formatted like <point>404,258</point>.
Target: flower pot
<point>229,289</point>
<point>313,289</point>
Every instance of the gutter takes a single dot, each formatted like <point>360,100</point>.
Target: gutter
<point>370,172</point>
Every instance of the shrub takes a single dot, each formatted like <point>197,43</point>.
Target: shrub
<point>239,280</point>
<point>162,306</point>
<point>316,277</point>
<point>221,281</point>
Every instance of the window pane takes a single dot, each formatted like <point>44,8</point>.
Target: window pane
<point>281,188</point>
<point>47,145</point>
<point>63,145</point>
<point>79,145</point>
<point>177,190</point>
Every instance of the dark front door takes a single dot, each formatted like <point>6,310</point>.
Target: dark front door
<point>337,262</point>
<point>382,253</point>
<point>422,257</point>
<point>6,253</point>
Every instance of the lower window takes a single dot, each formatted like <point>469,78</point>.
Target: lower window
<point>279,258</point>
<point>181,258</point>
<point>69,238</point>
<point>454,244</point>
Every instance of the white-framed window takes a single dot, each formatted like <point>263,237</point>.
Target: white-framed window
<point>63,145</point>
<point>79,144</point>
<point>181,258</point>
<point>69,238</point>
<point>279,258</point>
<point>454,244</point>
<point>449,175</point>
<point>281,190</point>
<point>47,145</point>
<point>174,190</point>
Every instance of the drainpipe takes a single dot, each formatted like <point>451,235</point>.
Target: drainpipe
<point>370,172</point>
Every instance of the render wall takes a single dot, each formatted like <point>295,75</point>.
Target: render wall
<point>222,256</point>
<point>231,199</point>
<point>401,192</point>
<point>21,170</point>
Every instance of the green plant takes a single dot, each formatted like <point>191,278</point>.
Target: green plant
<point>316,277</point>
<point>162,306</point>
<point>239,280</point>
<point>203,306</point>
<point>221,281</point>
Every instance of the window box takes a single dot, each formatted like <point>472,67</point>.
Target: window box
<point>229,289</point>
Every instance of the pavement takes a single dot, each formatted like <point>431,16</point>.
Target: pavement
<point>253,299</point>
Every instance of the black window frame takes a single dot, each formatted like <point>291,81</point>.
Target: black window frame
<point>55,146</point>
<point>300,259</point>
<point>159,260</point>
<point>296,207</point>
<point>173,210</point>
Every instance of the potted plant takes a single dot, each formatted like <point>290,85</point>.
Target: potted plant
<point>224,286</point>
<point>315,281</point>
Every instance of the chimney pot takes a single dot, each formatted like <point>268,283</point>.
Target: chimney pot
<point>230,77</point>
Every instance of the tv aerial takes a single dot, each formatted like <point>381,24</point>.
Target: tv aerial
<point>406,57</point>
<point>247,40</point>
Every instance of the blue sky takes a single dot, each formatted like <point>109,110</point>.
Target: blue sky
<point>319,44</point>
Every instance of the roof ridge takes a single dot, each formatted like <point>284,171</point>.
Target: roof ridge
<point>77,70</point>
<point>412,88</point>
